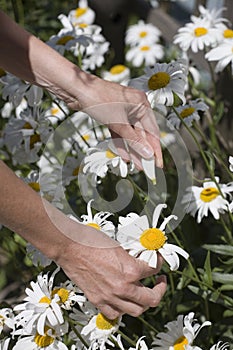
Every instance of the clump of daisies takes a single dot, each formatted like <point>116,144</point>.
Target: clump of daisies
<point>142,40</point>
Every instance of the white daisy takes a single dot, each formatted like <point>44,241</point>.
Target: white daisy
<point>231,207</point>
<point>8,109</point>
<point>142,33</point>
<point>82,14</point>
<point>15,89</point>
<point>231,163</point>
<point>56,112</point>
<point>98,221</point>
<point>212,15</point>
<point>161,83</point>
<point>43,304</point>
<point>144,54</point>
<point>201,200</point>
<point>50,340</point>
<point>223,53</point>
<point>4,344</point>
<point>145,242</point>
<point>118,74</point>
<point>104,158</point>
<point>196,35</point>
<point>26,133</point>
<point>37,257</point>
<point>140,345</point>
<point>6,318</point>
<point>225,33</point>
<point>220,346</point>
<point>180,334</point>
<point>188,113</point>
<point>94,55</point>
<point>99,329</point>
<point>167,138</point>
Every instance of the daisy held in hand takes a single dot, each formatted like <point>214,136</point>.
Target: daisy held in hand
<point>145,242</point>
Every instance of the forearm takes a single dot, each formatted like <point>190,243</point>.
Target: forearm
<point>23,211</point>
<point>27,57</point>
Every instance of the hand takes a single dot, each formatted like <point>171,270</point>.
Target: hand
<point>110,277</point>
<point>128,115</point>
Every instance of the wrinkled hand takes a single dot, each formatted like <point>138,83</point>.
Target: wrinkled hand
<point>110,277</point>
<point>127,113</point>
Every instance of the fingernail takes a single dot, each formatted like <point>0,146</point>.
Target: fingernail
<point>147,152</point>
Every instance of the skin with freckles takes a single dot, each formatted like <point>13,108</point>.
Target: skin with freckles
<point>107,274</point>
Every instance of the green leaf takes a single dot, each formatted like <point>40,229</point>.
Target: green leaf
<point>224,278</point>
<point>219,248</point>
<point>207,268</point>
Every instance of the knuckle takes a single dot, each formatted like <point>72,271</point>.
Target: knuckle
<point>137,311</point>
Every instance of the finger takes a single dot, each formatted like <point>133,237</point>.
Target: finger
<point>146,270</point>
<point>139,144</point>
<point>121,307</point>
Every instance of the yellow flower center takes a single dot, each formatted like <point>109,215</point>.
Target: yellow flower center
<point>35,186</point>
<point>27,126</point>
<point>45,299</point>
<point>62,293</point>
<point>54,110</point>
<point>152,239</point>
<point>187,112</point>
<point>104,323</point>
<point>43,340</point>
<point>145,48</point>
<point>163,134</point>
<point>82,25</point>
<point>76,171</point>
<point>64,39</point>
<point>80,11</point>
<point>86,137</point>
<point>209,194</point>
<point>117,69</point>
<point>228,33</point>
<point>143,34</point>
<point>180,343</point>
<point>158,80</point>
<point>93,224</point>
<point>2,72</point>
<point>109,154</point>
<point>34,139</point>
<point>200,31</point>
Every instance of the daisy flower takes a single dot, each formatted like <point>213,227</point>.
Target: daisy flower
<point>161,83</point>
<point>15,89</point>
<point>145,242</point>
<point>212,15</point>
<point>142,33</point>
<point>82,14</point>
<point>231,163</point>
<point>99,329</point>
<point>94,55</point>
<point>180,334</point>
<point>188,113</point>
<point>223,53</point>
<point>146,54</point>
<point>201,200</point>
<point>98,221</point>
<point>6,318</point>
<point>37,257</point>
<point>140,345</point>
<point>167,138</point>
<point>4,343</point>
<point>220,346</point>
<point>50,340</point>
<point>44,303</point>
<point>57,112</point>
<point>196,35</point>
<point>118,74</point>
<point>103,158</point>
<point>225,33</point>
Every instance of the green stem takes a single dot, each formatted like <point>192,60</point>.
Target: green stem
<point>147,324</point>
<point>130,341</point>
